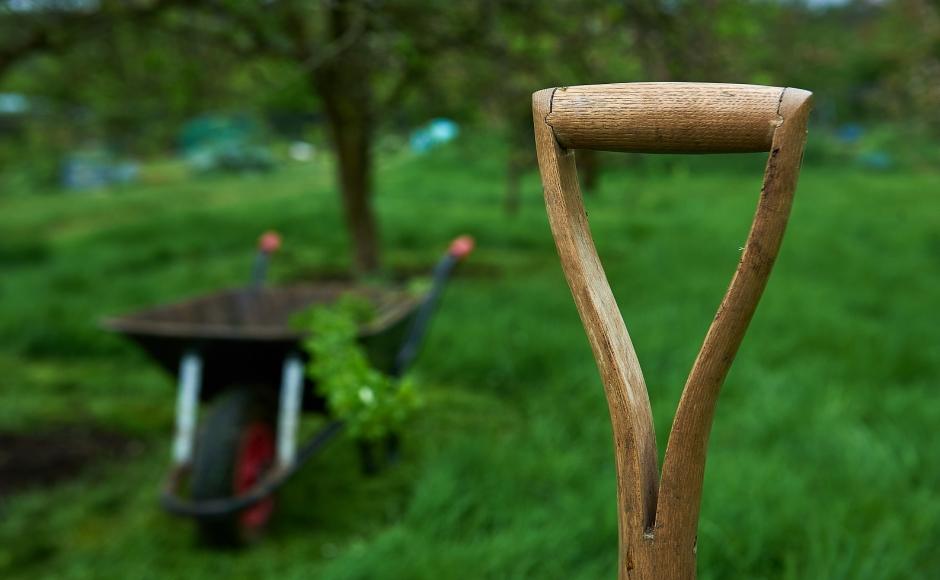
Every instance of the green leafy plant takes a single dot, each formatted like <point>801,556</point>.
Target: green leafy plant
<point>372,403</point>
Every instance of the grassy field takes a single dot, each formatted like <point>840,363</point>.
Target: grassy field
<point>824,461</point>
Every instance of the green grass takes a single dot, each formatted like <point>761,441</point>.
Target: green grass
<point>824,460</point>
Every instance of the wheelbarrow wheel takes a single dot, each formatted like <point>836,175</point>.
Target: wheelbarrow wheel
<point>235,449</point>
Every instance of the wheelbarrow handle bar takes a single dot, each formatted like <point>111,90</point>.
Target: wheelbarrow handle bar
<point>666,117</point>
<point>459,249</point>
<point>412,343</point>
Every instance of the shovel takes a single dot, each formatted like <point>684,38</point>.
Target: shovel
<point>658,515</point>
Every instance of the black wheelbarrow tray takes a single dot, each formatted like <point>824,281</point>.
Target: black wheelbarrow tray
<point>237,349</point>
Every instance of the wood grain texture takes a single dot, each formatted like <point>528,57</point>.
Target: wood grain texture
<point>658,520</point>
<point>665,117</point>
<point>628,401</point>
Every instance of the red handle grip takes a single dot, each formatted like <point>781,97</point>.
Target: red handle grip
<point>269,242</point>
<point>461,247</point>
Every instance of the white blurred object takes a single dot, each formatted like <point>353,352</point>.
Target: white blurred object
<point>301,151</point>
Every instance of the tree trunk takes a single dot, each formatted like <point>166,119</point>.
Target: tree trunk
<point>651,26</point>
<point>588,169</point>
<point>519,156</point>
<point>352,143</point>
<point>344,86</point>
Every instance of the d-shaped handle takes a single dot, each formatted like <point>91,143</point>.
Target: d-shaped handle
<point>667,117</point>
<point>658,517</point>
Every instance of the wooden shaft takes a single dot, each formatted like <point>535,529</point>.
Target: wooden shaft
<point>658,521</point>
<point>665,117</point>
<point>627,398</point>
<point>680,491</point>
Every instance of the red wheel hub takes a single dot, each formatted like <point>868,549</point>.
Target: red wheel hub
<point>255,457</point>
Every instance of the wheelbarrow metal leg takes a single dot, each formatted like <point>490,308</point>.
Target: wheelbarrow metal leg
<point>292,383</point>
<point>187,408</point>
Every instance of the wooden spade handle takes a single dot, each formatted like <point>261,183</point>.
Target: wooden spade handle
<point>666,117</point>
<point>658,516</point>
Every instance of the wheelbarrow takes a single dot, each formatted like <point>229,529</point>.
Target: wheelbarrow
<point>236,349</point>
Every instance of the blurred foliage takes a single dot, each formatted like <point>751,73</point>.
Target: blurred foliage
<point>130,74</point>
<point>823,462</point>
<point>372,403</point>
<point>127,75</point>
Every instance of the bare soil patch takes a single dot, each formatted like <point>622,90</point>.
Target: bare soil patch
<point>55,455</point>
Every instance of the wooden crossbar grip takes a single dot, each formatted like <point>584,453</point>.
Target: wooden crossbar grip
<point>666,117</point>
